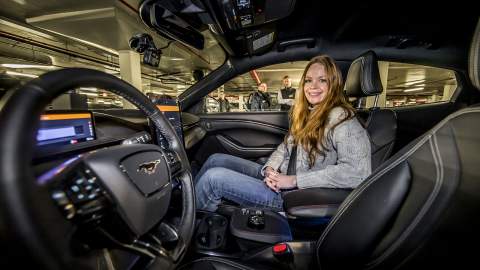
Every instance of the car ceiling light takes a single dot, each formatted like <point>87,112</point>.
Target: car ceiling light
<point>13,73</point>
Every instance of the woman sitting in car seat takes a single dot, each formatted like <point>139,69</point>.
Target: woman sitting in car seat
<point>333,150</point>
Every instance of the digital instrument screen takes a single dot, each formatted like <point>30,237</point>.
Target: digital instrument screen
<point>170,109</point>
<point>65,128</point>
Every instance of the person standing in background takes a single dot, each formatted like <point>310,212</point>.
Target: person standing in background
<point>260,100</point>
<point>286,95</point>
<point>223,102</point>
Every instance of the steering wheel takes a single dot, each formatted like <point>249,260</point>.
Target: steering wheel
<point>111,198</point>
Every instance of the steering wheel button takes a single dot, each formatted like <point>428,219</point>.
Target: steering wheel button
<point>60,197</point>
<point>69,211</point>
<point>89,187</point>
<point>92,196</point>
<point>79,181</point>
<point>75,188</point>
<point>80,196</point>
<point>92,180</point>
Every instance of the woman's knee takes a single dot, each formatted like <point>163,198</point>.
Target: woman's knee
<point>212,177</point>
<point>216,159</point>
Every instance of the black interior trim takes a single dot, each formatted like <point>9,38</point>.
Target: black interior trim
<point>242,151</point>
<point>216,125</point>
<point>309,42</point>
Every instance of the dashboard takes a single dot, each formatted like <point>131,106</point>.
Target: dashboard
<point>63,134</point>
<point>65,128</point>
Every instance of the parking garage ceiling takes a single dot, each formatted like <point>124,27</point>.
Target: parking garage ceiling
<point>41,32</point>
<point>105,27</point>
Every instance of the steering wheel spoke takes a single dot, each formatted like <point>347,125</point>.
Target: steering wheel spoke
<point>173,161</point>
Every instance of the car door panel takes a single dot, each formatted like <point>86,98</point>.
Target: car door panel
<point>239,150</point>
<point>251,135</point>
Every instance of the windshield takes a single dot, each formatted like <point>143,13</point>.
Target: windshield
<point>51,40</point>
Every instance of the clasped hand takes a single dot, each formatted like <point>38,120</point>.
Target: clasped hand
<point>277,181</point>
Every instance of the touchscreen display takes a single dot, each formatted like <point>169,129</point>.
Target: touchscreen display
<point>65,128</point>
<point>170,109</point>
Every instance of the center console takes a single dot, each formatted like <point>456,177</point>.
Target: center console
<point>243,230</point>
<point>257,236</point>
<point>257,227</point>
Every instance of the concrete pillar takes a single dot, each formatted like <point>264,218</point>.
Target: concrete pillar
<point>448,90</point>
<point>382,98</point>
<point>241,103</point>
<point>130,71</point>
<point>434,98</point>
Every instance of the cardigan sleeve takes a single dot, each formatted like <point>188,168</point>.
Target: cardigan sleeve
<point>350,141</point>
<point>277,157</point>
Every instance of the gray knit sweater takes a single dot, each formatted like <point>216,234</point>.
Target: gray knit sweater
<point>346,163</point>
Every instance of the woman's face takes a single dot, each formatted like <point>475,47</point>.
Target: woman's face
<point>316,84</point>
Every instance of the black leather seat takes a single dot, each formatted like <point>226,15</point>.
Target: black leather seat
<point>363,80</point>
<point>421,208</point>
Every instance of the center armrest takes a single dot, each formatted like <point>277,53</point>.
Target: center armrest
<point>314,202</point>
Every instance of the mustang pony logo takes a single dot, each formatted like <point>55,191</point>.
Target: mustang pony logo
<point>148,167</point>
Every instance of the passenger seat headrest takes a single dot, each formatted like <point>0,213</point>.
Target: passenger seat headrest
<point>363,78</point>
<point>474,59</point>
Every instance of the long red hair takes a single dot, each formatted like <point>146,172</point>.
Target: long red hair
<point>308,124</point>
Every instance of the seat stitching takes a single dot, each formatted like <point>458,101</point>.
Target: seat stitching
<point>475,57</point>
<point>370,181</point>
<point>400,159</point>
<point>436,190</point>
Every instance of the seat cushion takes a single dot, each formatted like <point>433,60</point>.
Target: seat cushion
<point>314,202</point>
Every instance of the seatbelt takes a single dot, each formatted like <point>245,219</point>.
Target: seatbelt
<point>292,167</point>
<point>292,162</point>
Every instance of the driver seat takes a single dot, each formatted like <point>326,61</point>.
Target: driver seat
<point>419,209</point>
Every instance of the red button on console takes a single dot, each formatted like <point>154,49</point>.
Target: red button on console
<point>280,248</point>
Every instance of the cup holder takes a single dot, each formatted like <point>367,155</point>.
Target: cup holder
<point>211,233</point>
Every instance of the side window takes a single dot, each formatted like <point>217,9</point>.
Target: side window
<point>270,88</point>
<point>410,85</point>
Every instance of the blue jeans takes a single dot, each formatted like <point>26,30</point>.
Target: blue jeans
<point>234,179</point>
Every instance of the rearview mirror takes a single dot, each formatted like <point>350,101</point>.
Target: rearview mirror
<point>168,23</point>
